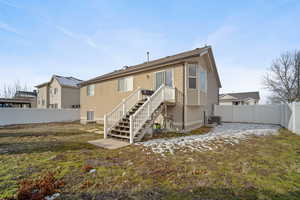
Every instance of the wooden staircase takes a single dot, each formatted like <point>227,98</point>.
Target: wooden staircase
<point>122,129</point>
<point>131,119</point>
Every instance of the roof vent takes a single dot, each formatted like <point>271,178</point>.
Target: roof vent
<point>148,56</point>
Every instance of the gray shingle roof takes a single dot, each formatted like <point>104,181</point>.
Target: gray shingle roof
<point>152,64</point>
<point>68,81</point>
<point>243,95</point>
<point>63,81</point>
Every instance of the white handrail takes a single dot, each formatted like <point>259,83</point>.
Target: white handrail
<point>139,118</point>
<point>110,119</point>
<point>125,99</point>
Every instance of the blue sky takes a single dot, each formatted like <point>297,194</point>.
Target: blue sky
<point>87,38</point>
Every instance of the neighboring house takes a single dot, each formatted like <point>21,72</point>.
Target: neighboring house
<point>22,99</point>
<point>243,98</point>
<point>59,92</point>
<point>186,85</point>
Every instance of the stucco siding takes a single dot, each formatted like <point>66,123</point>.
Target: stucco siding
<point>70,97</point>
<point>55,98</point>
<point>107,97</point>
<point>212,92</point>
<point>42,96</point>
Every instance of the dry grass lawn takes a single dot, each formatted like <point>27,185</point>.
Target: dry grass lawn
<point>260,168</point>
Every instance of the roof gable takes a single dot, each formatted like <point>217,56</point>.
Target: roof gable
<point>226,97</point>
<point>63,81</point>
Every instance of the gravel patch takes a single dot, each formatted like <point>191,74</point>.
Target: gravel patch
<point>227,133</point>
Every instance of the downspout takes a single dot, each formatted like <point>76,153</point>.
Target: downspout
<point>183,97</point>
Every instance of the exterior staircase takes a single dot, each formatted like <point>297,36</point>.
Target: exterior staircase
<point>129,120</point>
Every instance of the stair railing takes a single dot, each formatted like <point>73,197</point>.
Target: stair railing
<point>144,113</point>
<point>112,118</point>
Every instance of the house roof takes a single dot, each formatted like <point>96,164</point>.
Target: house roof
<point>243,95</point>
<point>174,59</point>
<point>63,81</point>
<point>20,93</point>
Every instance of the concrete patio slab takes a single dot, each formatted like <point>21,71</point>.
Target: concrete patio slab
<point>109,143</point>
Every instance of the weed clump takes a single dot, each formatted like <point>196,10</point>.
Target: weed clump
<point>40,188</point>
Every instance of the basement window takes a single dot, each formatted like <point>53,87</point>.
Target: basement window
<point>90,115</point>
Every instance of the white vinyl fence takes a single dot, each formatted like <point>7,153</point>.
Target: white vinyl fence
<point>286,115</point>
<point>9,116</point>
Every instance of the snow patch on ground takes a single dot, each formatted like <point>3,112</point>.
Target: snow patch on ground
<point>227,133</point>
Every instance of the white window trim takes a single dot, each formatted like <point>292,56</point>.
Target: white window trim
<point>201,69</point>
<point>188,75</point>
<point>164,78</point>
<point>90,120</point>
<point>87,90</point>
<point>127,89</point>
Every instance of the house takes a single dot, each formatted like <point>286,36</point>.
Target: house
<point>21,99</point>
<point>243,98</point>
<point>181,89</point>
<point>60,92</point>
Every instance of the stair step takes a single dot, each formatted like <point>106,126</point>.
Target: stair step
<point>120,131</point>
<point>119,136</point>
<point>120,123</point>
<point>118,127</point>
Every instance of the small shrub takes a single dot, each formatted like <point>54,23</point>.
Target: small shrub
<point>38,189</point>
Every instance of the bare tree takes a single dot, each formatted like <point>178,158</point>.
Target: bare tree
<point>283,79</point>
<point>9,91</point>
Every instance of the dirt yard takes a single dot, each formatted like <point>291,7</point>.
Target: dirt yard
<point>257,167</point>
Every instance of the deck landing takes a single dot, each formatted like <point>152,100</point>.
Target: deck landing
<point>109,143</point>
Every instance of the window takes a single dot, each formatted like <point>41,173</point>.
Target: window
<point>90,90</point>
<point>90,115</point>
<point>202,81</point>
<point>50,90</point>
<point>55,90</point>
<point>43,102</point>
<point>192,71</point>
<point>164,77</point>
<point>125,84</point>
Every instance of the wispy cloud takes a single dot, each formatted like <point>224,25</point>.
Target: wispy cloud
<point>7,28</point>
<point>83,38</point>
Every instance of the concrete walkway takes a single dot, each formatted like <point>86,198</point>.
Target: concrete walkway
<point>109,143</point>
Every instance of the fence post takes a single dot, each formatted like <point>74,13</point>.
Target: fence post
<point>105,127</point>
<point>131,129</point>
<point>294,116</point>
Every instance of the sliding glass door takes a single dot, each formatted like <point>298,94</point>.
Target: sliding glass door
<point>163,77</point>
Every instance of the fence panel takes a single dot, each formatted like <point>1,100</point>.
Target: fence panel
<point>286,115</point>
<point>10,116</point>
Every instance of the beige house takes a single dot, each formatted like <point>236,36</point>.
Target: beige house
<point>242,98</point>
<point>180,89</point>
<point>60,92</point>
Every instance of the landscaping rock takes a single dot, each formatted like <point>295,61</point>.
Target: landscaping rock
<point>92,171</point>
<point>227,133</point>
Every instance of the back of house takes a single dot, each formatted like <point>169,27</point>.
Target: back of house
<point>189,79</point>
<point>60,92</point>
